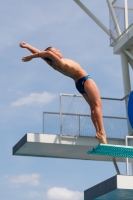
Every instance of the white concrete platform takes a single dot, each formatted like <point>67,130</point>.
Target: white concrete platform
<point>45,145</point>
<point>116,188</point>
<point>124,42</point>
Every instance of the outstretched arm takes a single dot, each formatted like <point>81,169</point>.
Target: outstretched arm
<point>29,57</point>
<point>29,47</point>
<point>45,54</point>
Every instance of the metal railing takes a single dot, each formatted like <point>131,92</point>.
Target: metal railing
<point>79,124</point>
<point>113,42</point>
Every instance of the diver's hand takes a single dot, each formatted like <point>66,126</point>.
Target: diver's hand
<point>26,58</point>
<point>23,45</point>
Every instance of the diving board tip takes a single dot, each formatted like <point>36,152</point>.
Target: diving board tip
<point>112,150</point>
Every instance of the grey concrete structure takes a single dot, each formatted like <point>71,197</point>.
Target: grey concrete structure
<point>47,145</point>
<point>116,188</point>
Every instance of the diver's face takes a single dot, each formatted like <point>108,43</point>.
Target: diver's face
<point>57,52</point>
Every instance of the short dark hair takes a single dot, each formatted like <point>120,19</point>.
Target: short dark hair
<point>48,48</point>
<point>46,58</point>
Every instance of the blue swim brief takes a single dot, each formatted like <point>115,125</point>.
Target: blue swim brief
<point>80,84</point>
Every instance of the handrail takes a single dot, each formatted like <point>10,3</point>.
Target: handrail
<point>61,114</point>
<point>79,115</point>
<point>83,115</point>
<point>105,98</point>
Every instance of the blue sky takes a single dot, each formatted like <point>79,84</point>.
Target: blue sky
<point>28,89</point>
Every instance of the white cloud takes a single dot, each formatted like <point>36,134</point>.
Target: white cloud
<point>56,193</point>
<point>25,179</point>
<point>34,98</point>
<point>33,194</point>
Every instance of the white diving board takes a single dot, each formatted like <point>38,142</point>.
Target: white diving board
<point>47,145</point>
<point>112,150</point>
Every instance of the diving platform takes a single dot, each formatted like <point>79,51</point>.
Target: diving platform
<point>48,145</point>
<point>117,187</point>
<point>124,42</point>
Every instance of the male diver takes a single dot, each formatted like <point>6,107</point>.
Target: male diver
<point>83,82</point>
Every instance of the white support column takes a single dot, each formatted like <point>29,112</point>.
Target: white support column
<point>126,76</point>
<point>114,17</point>
<point>95,19</point>
<point>126,14</point>
<point>126,81</point>
<point>126,143</point>
<point>116,166</point>
<point>130,57</point>
<point>130,62</point>
<point>114,2</point>
<point>129,54</point>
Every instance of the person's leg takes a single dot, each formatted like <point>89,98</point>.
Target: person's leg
<point>93,118</point>
<point>92,91</point>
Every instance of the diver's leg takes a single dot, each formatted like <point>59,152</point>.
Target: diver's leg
<point>92,111</point>
<point>92,91</point>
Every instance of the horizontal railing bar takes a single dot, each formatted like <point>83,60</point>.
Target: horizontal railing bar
<point>105,98</point>
<point>71,95</point>
<point>122,8</point>
<point>115,98</point>
<point>83,115</point>
<point>114,117</point>
<point>51,113</point>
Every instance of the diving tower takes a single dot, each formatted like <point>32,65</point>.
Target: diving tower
<point>69,133</point>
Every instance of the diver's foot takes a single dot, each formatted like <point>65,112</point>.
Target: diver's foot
<point>101,137</point>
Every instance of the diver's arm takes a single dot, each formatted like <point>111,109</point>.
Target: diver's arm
<point>52,57</point>
<point>45,54</point>
<point>29,47</point>
<point>30,57</point>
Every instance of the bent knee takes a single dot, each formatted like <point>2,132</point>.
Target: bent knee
<point>97,103</point>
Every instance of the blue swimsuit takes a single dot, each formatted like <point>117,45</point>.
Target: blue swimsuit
<point>80,84</point>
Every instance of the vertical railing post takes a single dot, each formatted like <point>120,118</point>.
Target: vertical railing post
<point>79,125</point>
<point>60,117</point>
<point>126,14</point>
<point>126,143</point>
<point>43,122</point>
